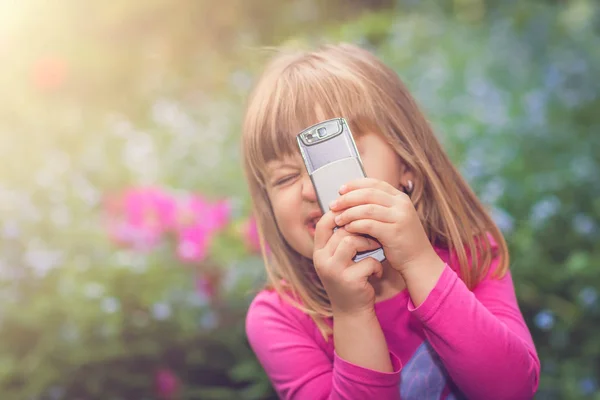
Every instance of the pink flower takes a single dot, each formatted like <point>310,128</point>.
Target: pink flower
<point>167,384</point>
<point>133,236</point>
<point>220,214</point>
<point>251,236</point>
<point>196,210</point>
<point>193,243</point>
<point>198,221</point>
<point>151,208</point>
<point>140,216</point>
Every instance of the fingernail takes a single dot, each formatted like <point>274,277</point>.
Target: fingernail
<point>333,204</point>
<point>338,219</point>
<point>343,188</point>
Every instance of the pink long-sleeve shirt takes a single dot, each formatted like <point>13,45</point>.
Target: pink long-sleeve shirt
<point>457,344</point>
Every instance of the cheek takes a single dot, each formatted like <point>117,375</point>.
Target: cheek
<point>286,215</point>
<point>280,214</point>
<point>290,227</point>
<point>382,168</point>
<point>374,168</point>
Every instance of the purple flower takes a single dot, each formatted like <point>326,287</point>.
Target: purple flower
<point>167,384</point>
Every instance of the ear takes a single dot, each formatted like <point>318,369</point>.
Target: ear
<point>406,175</point>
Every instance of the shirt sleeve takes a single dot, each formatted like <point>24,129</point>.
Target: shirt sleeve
<point>299,368</point>
<point>481,336</point>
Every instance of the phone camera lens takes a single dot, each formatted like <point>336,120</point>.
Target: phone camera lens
<point>322,132</point>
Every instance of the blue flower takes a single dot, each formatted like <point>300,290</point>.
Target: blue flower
<point>588,296</point>
<point>544,320</point>
<point>110,305</point>
<point>161,311</point>
<point>588,386</point>
<point>209,320</point>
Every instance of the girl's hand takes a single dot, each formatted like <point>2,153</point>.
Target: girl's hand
<point>345,281</point>
<point>376,208</point>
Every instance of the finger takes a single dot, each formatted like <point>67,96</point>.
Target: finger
<point>363,269</point>
<point>335,239</point>
<point>362,196</point>
<point>350,245</point>
<point>370,227</point>
<point>367,211</point>
<point>365,183</point>
<point>324,230</point>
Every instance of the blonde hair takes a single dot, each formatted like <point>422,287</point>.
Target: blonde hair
<point>347,81</point>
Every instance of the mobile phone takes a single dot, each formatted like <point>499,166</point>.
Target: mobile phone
<point>331,159</point>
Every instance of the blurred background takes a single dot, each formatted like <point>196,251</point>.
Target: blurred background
<point>128,252</point>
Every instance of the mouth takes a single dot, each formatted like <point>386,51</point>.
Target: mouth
<point>311,221</point>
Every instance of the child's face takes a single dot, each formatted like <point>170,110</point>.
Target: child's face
<point>293,197</point>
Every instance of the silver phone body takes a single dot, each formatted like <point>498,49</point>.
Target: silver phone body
<point>331,160</point>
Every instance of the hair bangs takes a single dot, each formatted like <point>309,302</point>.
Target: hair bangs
<point>305,92</point>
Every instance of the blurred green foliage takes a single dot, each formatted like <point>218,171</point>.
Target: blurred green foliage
<point>99,97</point>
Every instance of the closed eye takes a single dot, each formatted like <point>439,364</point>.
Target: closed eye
<point>285,179</point>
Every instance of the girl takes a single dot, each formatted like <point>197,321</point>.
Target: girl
<point>438,319</point>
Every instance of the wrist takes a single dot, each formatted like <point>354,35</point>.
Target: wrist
<point>363,314</point>
<point>422,276</point>
<point>429,262</point>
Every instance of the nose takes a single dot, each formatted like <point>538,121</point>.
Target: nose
<point>308,190</point>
